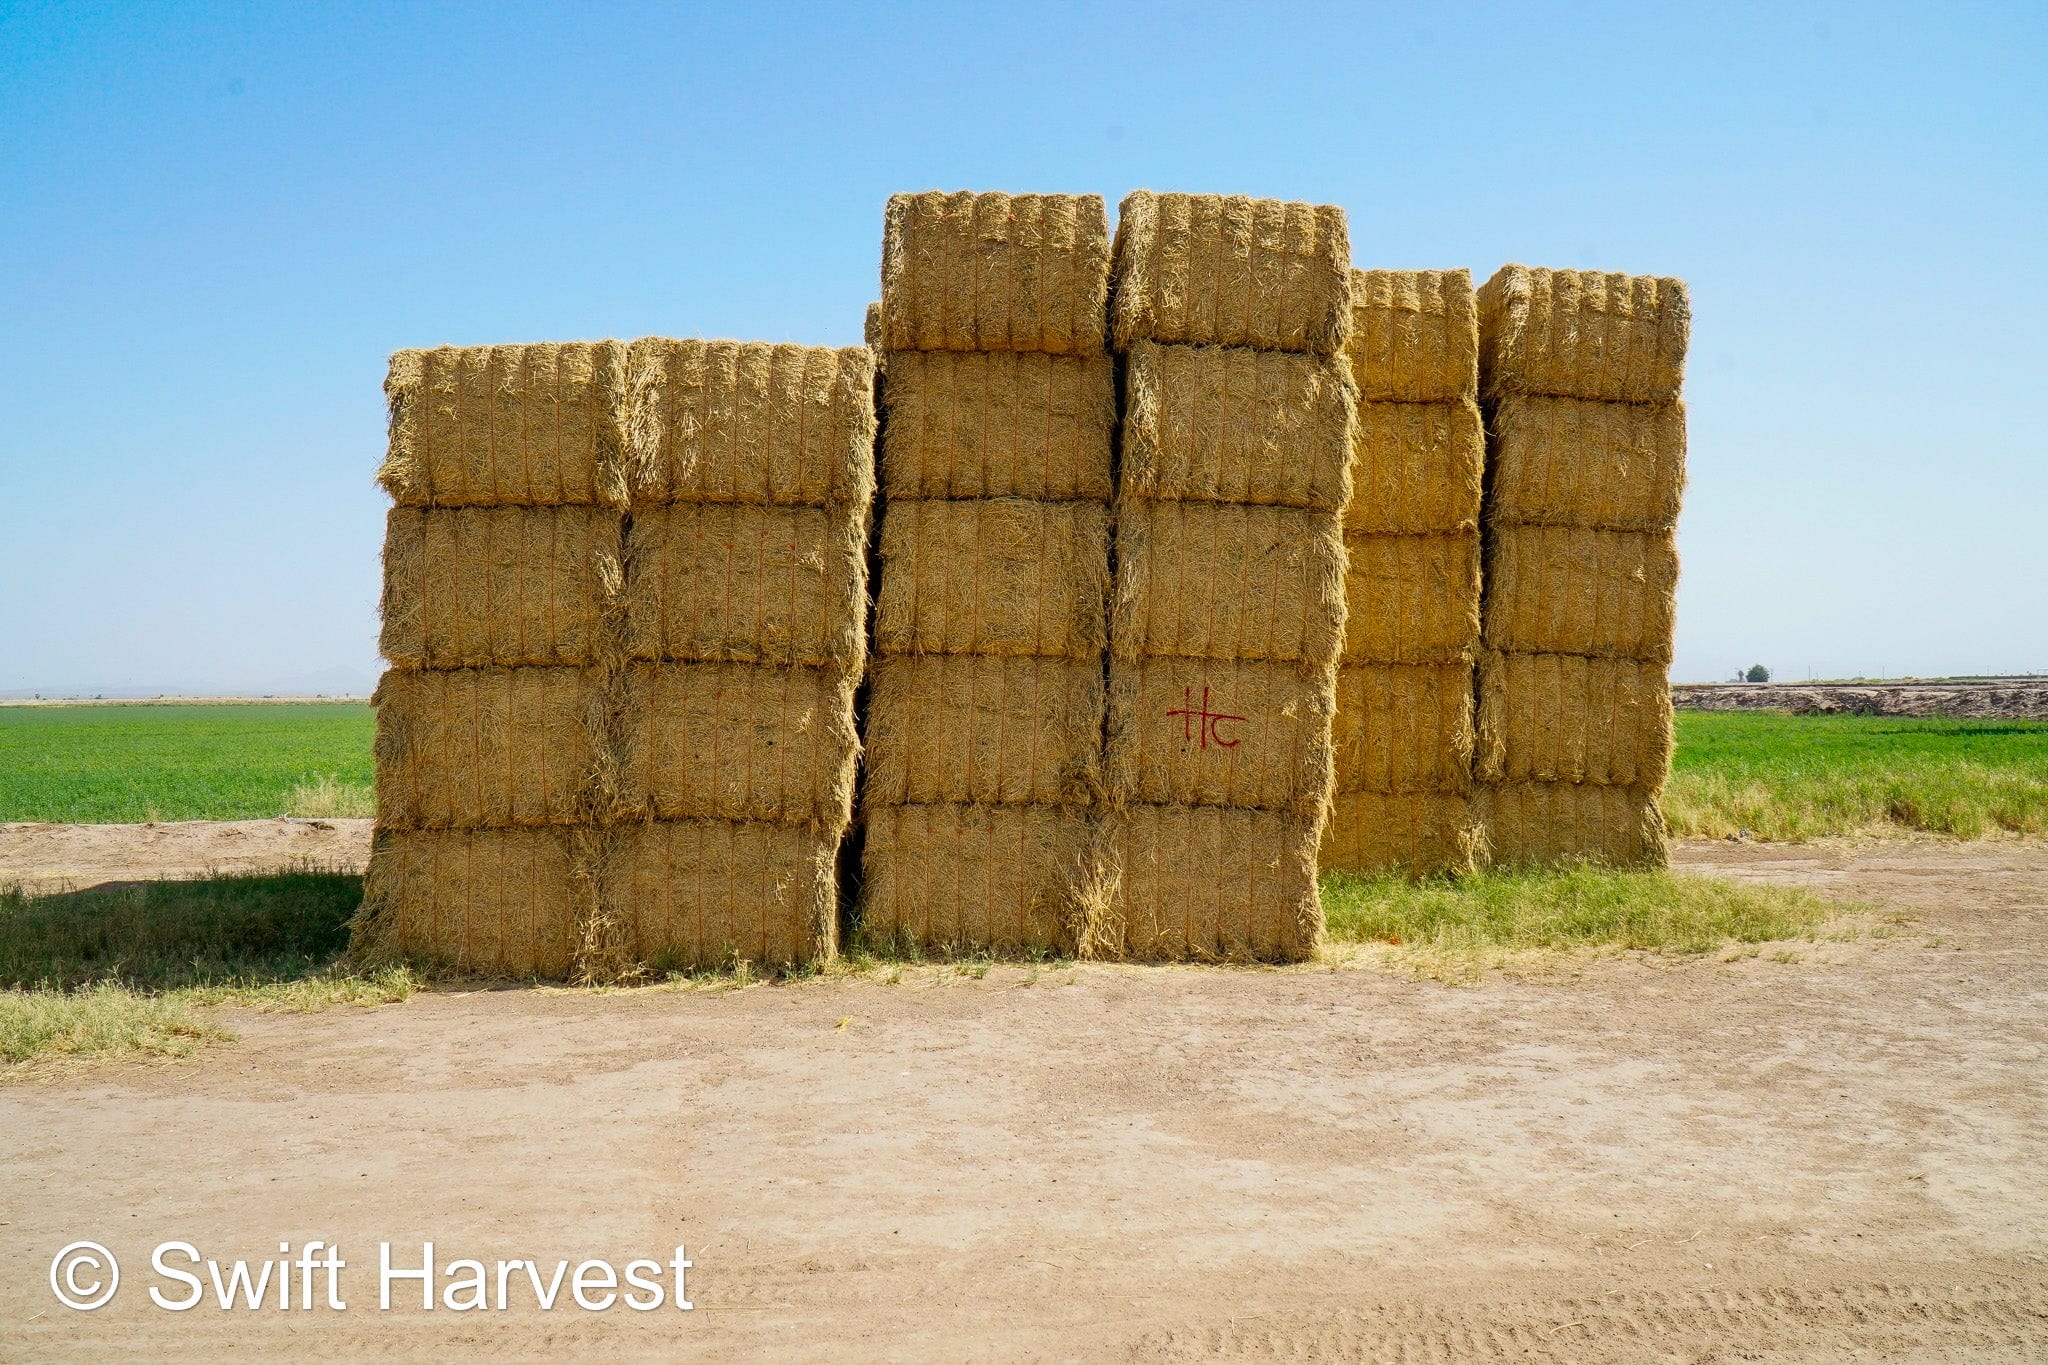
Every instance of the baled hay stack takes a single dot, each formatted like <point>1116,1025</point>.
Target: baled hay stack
<point>972,728</point>
<point>1413,832</point>
<point>1579,462</point>
<point>1404,728</point>
<point>1010,577</point>
<point>1568,590</point>
<point>995,272</point>
<point>497,902</point>
<point>1530,823</point>
<point>1213,883</point>
<point>1583,334</point>
<point>692,894</point>
<point>1000,878</point>
<point>1210,732</point>
<point>1227,581</point>
<point>1416,469</point>
<point>1414,336</point>
<point>1227,270</point>
<point>1411,599</point>
<point>998,424</point>
<point>1569,718</point>
<point>481,748</point>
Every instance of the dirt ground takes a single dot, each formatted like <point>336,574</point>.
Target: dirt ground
<point>1839,1156</point>
<point>74,857</point>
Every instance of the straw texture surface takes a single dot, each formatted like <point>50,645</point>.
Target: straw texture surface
<point>1414,335</point>
<point>964,728</point>
<point>1531,823</point>
<point>1416,468</point>
<point>1567,590</point>
<point>1420,834</point>
<point>973,876</point>
<point>995,576</point>
<point>1575,462</point>
<point>1583,334</point>
<point>999,424</point>
<point>995,272</point>
<point>1213,884</point>
<point>1568,718</point>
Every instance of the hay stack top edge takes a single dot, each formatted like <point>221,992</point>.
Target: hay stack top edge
<point>1583,334</point>
<point>1414,335</point>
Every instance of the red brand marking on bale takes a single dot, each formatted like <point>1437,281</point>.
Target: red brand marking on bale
<point>1212,721</point>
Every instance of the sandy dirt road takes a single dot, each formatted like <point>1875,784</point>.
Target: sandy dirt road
<point>1842,1157</point>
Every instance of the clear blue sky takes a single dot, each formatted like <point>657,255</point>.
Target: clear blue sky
<point>216,222</point>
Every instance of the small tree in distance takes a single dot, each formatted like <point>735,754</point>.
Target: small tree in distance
<point>1758,673</point>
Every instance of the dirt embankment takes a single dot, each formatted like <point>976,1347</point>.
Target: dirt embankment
<point>1990,699</point>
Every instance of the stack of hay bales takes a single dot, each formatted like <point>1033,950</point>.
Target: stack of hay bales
<point>985,702</point>
<point>1411,534</point>
<point>1228,617</point>
<point>1581,374</point>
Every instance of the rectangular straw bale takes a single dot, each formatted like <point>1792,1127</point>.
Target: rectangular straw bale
<point>995,272</point>
<point>1227,581</point>
<point>1416,468</point>
<point>506,426</point>
<point>1227,270</point>
<point>499,902</point>
<point>1403,728</point>
<point>998,424</point>
<point>739,742</point>
<point>1411,599</point>
<point>1414,335</point>
<point>711,582</point>
<point>1202,732</point>
<point>708,893</point>
<point>1538,823</point>
<point>482,747</point>
<point>978,877</point>
<point>468,587</point>
<point>1577,462</point>
<point>1421,834</point>
<point>1582,334</point>
<point>750,421</point>
<point>1229,424</point>
<point>1209,883</point>
<point>993,730</point>
<point>998,576</point>
<point>1567,718</point>
<point>1564,590</point>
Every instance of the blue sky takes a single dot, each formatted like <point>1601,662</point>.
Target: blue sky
<point>217,221</point>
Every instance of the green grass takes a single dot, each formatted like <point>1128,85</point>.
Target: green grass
<point>231,761</point>
<point>1802,777</point>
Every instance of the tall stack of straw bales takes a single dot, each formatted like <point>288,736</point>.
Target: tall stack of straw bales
<point>1231,315</point>
<point>1411,535</point>
<point>985,704</point>
<point>1581,374</point>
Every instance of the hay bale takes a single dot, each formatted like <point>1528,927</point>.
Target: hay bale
<point>1212,884</point>
<point>1536,823</point>
<point>1414,335</point>
<point>995,576</point>
<point>1576,462</point>
<point>710,582</point>
<point>1568,718</point>
<point>739,742</point>
<point>1206,732</point>
<point>1227,581</point>
<point>1228,424</point>
<point>506,426</point>
<point>1006,731</point>
<point>498,902</point>
<point>1226,270</point>
<point>706,894</point>
<point>1418,834</point>
<point>1582,334</point>
<point>1416,468</point>
<point>1403,728</point>
<point>1566,590</point>
<point>471,587</point>
<point>752,422</point>
<point>481,747</point>
<point>1411,599</point>
<point>952,877</point>
<point>995,272</point>
<point>1000,424</point>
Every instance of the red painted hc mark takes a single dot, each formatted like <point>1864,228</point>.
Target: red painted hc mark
<point>1212,721</point>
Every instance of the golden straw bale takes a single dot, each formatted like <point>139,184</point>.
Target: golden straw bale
<point>1230,424</point>
<point>481,747</point>
<point>1416,468</point>
<point>506,426</point>
<point>750,421</point>
<point>468,587</point>
<point>1534,823</point>
<point>1567,718</point>
<point>1582,334</point>
<point>1411,599</point>
<point>1226,270</point>
<point>1421,834</point>
<point>1212,883</point>
<point>955,877</point>
<point>995,730</point>
<point>1414,335</point>
<point>998,424</point>
<point>694,894</point>
<point>995,272</point>
<point>1227,581</point>
<point>708,582</point>
<point>1564,590</point>
<point>1212,733</point>
<point>739,742</point>
<point>1002,576</point>
<point>1403,728</point>
<point>499,902</point>
<point>1577,462</point>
